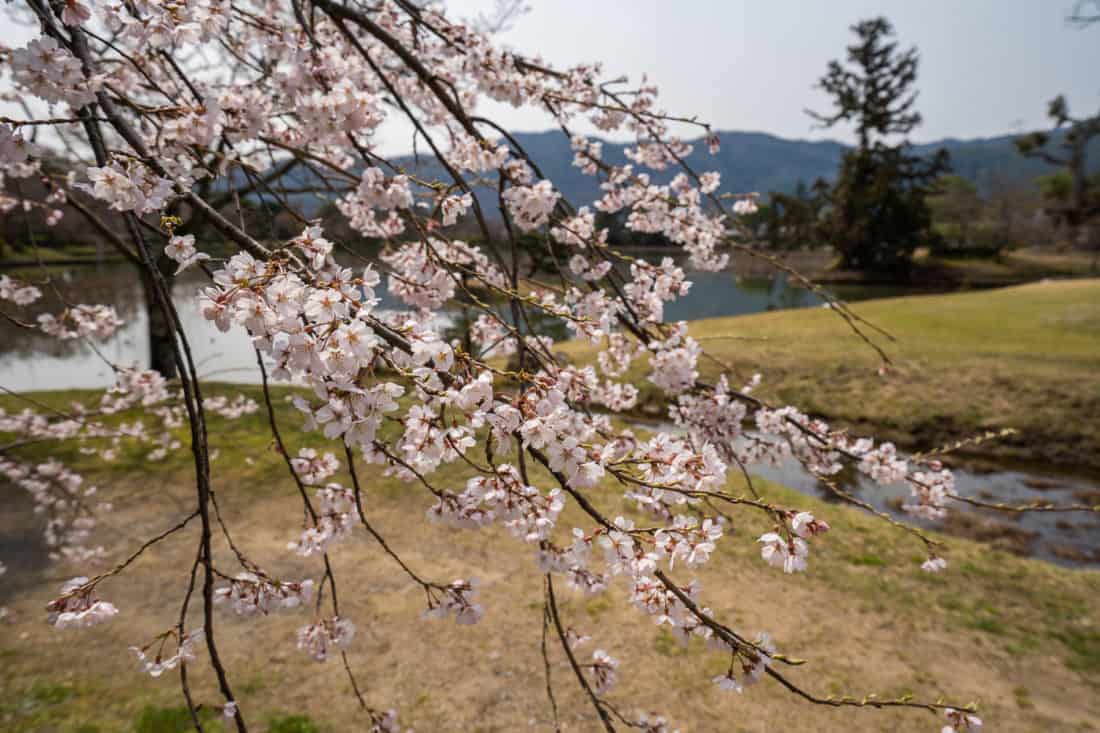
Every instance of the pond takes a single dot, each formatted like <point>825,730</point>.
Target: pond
<point>30,361</point>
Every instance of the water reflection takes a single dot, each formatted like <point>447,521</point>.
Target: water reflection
<point>34,361</point>
<point>716,294</point>
<point>1069,539</point>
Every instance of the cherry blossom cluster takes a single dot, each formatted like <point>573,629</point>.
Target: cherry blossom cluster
<point>231,408</point>
<point>310,86</point>
<point>423,273</point>
<point>46,70</point>
<point>959,721</point>
<point>527,513</point>
<point>603,671</point>
<point>787,548</point>
<point>689,540</point>
<point>81,321</point>
<point>675,361</point>
<point>78,606</point>
<point>337,515</point>
<point>18,292</point>
<point>69,506</point>
<point>15,149</point>
<point>313,468</point>
<point>653,723</point>
<point>531,206</point>
<point>753,660</point>
<point>182,250</point>
<point>249,594</point>
<point>155,663</point>
<point>457,599</point>
<point>376,194</point>
<point>72,508</point>
<point>321,638</point>
<point>129,187</point>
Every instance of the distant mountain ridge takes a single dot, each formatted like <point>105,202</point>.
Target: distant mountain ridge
<point>756,161</point>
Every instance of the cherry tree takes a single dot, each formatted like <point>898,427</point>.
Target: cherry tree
<point>170,110</point>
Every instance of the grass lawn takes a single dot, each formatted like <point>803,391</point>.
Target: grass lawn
<point>1015,266</point>
<point>1018,635</point>
<point>31,256</point>
<point>1024,357</point>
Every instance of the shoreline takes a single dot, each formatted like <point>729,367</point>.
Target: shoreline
<point>963,365</point>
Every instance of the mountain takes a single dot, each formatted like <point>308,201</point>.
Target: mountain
<point>756,161</point>
<point>748,161</point>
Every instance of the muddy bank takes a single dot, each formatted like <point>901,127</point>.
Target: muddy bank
<point>1071,452</point>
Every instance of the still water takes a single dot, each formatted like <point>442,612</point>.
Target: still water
<point>1070,539</point>
<point>30,361</point>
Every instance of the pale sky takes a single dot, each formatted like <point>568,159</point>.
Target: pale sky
<point>988,67</point>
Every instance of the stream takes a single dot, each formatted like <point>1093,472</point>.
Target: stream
<point>1071,539</point>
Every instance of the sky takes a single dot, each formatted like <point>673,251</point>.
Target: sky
<point>988,67</point>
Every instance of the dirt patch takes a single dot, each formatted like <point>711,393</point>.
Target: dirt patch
<point>865,627</point>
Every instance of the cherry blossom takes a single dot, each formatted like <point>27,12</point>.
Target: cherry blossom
<point>50,72</point>
<point>129,187</point>
<point>157,664</point>
<point>75,12</point>
<point>18,292</point>
<point>456,599</point>
<point>322,637</point>
<point>14,148</point>
<point>182,250</point>
<point>78,606</point>
<point>933,565</point>
<point>604,671</point>
<point>531,205</point>
<point>249,594</point>
<point>284,95</point>
<point>781,552</point>
<point>959,721</point>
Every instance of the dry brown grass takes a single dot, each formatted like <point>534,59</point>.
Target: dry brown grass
<point>864,615</point>
<point>1020,636</point>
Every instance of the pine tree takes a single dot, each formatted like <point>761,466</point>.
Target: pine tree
<point>877,214</point>
<point>1073,192</point>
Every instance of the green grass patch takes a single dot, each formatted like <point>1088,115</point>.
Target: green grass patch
<point>293,724</point>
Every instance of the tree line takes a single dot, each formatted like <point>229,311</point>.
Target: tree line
<point>887,201</point>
